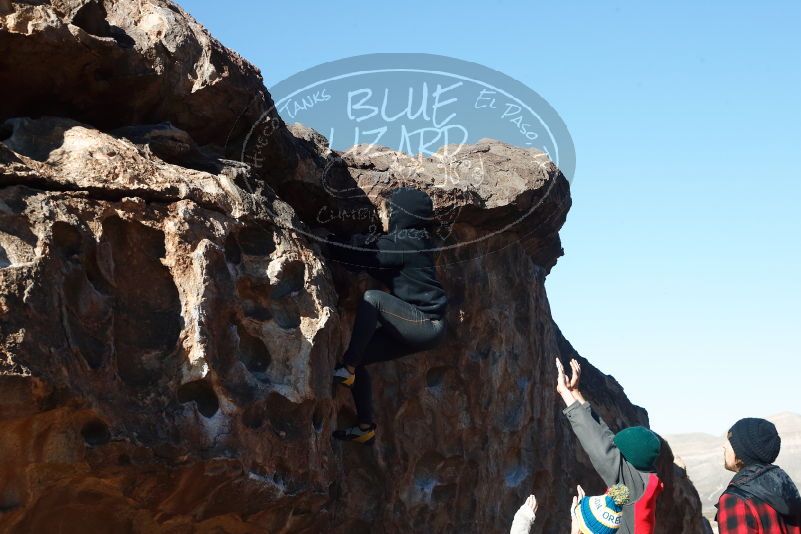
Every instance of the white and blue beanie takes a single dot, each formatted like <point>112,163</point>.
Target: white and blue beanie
<point>602,514</point>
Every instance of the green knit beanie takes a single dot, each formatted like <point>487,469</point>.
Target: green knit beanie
<point>639,446</point>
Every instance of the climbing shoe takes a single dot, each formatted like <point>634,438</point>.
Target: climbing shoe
<point>343,377</point>
<point>356,435</point>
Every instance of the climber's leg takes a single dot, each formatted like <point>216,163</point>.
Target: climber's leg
<point>363,396</point>
<point>377,308</point>
<point>389,344</point>
<point>386,347</point>
<point>357,434</point>
<point>367,316</point>
<point>382,347</point>
<point>343,376</point>
<point>404,321</point>
<point>402,329</point>
<point>363,328</point>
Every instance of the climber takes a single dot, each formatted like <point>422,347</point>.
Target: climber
<point>410,319</point>
<point>761,497</point>
<point>628,457</point>
<point>589,515</point>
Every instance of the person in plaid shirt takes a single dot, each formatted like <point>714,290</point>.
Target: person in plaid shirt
<point>761,498</point>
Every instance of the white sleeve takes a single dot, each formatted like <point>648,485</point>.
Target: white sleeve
<point>523,520</point>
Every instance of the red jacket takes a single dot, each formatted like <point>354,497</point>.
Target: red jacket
<point>645,507</point>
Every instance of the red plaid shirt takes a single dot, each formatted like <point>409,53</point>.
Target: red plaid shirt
<point>745,516</point>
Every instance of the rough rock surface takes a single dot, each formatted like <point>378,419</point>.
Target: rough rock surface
<point>116,63</point>
<point>168,322</point>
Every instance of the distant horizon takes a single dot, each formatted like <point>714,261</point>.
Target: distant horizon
<point>682,259</point>
<point>723,432</point>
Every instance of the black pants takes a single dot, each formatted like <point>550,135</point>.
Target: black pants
<point>386,328</point>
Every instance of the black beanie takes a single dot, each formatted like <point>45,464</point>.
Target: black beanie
<point>755,441</point>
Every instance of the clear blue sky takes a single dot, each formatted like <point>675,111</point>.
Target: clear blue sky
<point>683,256</point>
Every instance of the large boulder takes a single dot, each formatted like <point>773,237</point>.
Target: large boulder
<point>153,317</point>
<point>115,63</point>
<point>169,320</point>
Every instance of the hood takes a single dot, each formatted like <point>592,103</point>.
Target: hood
<point>410,208</point>
<point>770,484</point>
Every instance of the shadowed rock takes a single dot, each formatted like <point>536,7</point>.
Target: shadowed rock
<point>168,325</point>
<point>114,63</point>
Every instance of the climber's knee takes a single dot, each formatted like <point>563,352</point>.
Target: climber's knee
<point>372,296</point>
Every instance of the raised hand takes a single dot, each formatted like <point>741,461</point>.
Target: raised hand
<point>562,383</point>
<point>574,524</point>
<point>531,502</point>
<point>574,380</point>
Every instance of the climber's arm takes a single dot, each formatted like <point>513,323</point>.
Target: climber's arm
<point>364,252</point>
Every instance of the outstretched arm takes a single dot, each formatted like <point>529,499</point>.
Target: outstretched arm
<point>595,437</point>
<point>357,254</point>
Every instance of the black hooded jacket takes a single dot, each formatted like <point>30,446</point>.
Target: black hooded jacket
<point>771,485</point>
<point>402,258</point>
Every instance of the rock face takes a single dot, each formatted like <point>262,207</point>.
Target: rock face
<point>169,322</point>
<point>118,62</point>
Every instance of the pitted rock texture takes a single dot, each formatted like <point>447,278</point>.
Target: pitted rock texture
<point>169,322</point>
<point>116,63</point>
<point>174,324</point>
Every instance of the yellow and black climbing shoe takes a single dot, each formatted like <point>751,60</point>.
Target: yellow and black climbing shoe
<point>355,434</point>
<point>343,377</point>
